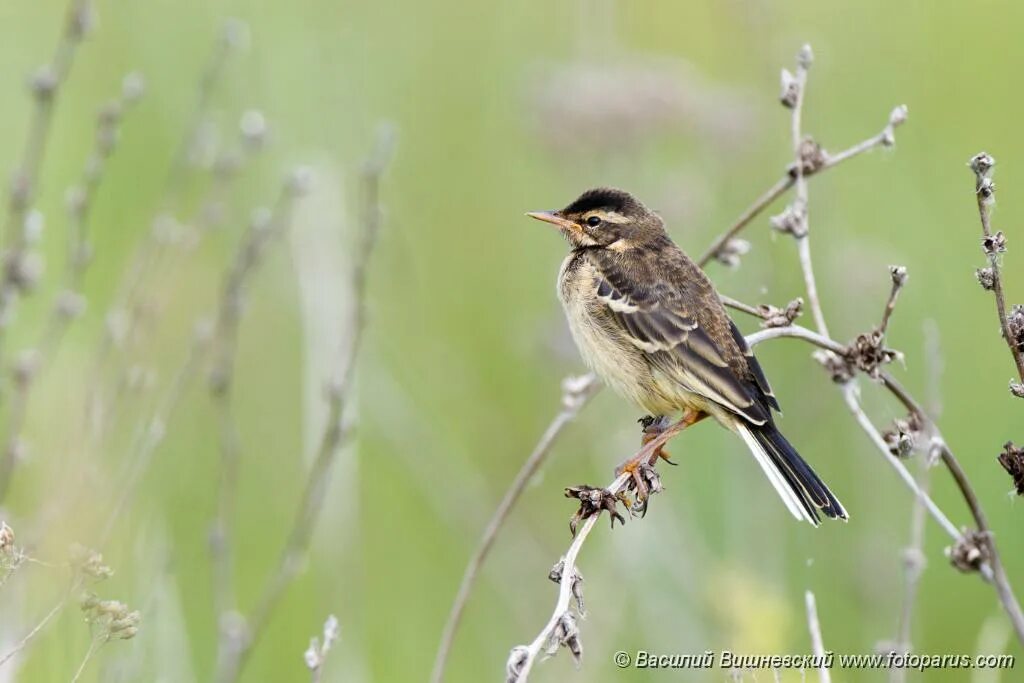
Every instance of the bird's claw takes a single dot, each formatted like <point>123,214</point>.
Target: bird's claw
<point>593,500</point>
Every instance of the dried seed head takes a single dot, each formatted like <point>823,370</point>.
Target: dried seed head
<point>1012,460</point>
<point>981,163</point>
<point>729,253</point>
<point>790,92</point>
<point>969,552</point>
<point>6,538</point>
<point>898,116</point>
<point>43,83</point>
<point>254,128</point>
<point>903,437</point>
<point>790,221</point>
<point>300,180</point>
<point>1015,326</point>
<point>514,665</point>
<point>898,275</point>
<point>994,244</point>
<point>235,34</point>
<point>70,304</point>
<point>89,563</point>
<point>986,188</point>
<point>986,278</point>
<point>805,57</point>
<point>774,316</point>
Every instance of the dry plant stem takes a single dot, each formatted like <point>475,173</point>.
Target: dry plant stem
<point>23,643</point>
<point>913,564</point>
<point>151,434</point>
<point>802,229</point>
<point>93,646</point>
<point>46,86</point>
<point>985,199</point>
<point>780,188</point>
<point>564,587</point>
<point>60,318</point>
<point>993,570</point>
<point>233,656</point>
<point>817,643</point>
<point>179,170</point>
<point>577,392</point>
<point>999,577</point>
<point>261,232</point>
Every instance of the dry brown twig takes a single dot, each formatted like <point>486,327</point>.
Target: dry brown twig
<point>1011,323</point>
<point>237,644</point>
<point>576,393</point>
<point>266,227</point>
<point>974,551</point>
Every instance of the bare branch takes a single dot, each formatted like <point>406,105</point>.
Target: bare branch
<point>337,430</point>
<point>576,393</point>
<point>994,245</point>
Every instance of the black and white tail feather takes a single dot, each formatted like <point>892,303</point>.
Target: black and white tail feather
<point>796,483</point>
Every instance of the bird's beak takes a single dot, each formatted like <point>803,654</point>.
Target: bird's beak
<point>553,218</point>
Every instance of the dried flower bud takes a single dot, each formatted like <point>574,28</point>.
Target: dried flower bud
<point>774,316</point>
<point>969,552</point>
<point>790,89</point>
<point>898,275</point>
<point>790,222</point>
<point>981,164</point>
<point>805,57</point>
<point>516,660</point>
<point>1015,326</point>
<point>89,562</point>
<point>898,116</point>
<point>70,304</point>
<point>729,253</point>
<point>1012,460</point>
<point>133,87</point>
<point>32,228</point>
<point>43,83</point>
<point>254,128</point>
<point>986,188</point>
<point>986,278</point>
<point>82,20</point>
<point>994,244</point>
<point>6,538</point>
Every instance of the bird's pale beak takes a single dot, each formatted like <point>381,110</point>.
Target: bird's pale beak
<point>553,218</point>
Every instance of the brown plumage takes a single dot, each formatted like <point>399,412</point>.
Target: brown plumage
<point>648,320</point>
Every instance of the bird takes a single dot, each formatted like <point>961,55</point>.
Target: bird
<point>649,322</point>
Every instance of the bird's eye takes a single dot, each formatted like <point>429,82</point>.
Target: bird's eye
<point>593,221</point>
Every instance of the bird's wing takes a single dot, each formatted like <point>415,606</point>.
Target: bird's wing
<point>657,319</point>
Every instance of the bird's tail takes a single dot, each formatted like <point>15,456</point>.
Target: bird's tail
<point>800,488</point>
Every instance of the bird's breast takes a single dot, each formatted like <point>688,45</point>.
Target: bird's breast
<point>602,343</point>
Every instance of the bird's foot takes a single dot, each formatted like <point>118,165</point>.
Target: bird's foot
<point>643,479</point>
<point>593,501</point>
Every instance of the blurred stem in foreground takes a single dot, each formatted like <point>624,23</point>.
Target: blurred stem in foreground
<point>236,645</point>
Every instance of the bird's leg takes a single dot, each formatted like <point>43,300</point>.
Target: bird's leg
<point>652,426</point>
<point>641,466</point>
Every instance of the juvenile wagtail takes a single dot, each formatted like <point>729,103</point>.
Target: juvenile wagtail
<point>649,322</point>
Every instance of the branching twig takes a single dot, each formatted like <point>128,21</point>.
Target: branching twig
<point>69,303</point>
<point>576,393</point>
<point>556,633</point>
<point>234,655</point>
<point>994,245</point>
<point>265,227</point>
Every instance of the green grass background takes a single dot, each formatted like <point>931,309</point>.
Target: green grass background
<point>465,347</point>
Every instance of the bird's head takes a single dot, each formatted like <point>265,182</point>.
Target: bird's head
<point>606,218</point>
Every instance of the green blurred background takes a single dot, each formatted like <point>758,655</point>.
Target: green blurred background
<point>502,108</point>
